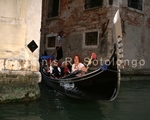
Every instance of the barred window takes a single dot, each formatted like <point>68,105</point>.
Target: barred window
<point>91,38</point>
<point>136,4</point>
<point>93,3</point>
<point>53,7</point>
<point>51,41</point>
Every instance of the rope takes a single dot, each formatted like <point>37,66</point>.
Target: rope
<point>112,70</point>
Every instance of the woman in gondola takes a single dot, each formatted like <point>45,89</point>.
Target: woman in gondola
<point>77,65</point>
<point>65,68</point>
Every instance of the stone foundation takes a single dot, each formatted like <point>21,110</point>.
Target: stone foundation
<point>135,75</point>
<point>16,86</point>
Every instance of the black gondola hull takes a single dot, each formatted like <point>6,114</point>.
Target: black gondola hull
<point>97,85</point>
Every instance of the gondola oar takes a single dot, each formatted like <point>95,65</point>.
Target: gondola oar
<point>55,51</point>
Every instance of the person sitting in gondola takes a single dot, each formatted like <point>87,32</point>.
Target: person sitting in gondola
<point>65,68</point>
<point>44,66</point>
<point>77,65</point>
<point>54,70</point>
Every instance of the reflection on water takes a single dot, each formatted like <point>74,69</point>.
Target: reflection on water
<point>132,103</point>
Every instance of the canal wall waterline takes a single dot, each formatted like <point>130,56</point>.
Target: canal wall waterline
<point>19,86</point>
<point>135,75</point>
<point>22,86</point>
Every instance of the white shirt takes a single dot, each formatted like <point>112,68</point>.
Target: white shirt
<point>78,67</point>
<point>59,41</point>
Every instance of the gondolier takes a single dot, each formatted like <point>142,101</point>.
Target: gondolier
<point>59,46</point>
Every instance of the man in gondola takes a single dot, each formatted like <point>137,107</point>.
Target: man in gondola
<point>54,70</point>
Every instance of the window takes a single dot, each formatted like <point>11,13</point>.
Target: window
<point>53,7</point>
<point>93,3</point>
<point>110,2</point>
<point>91,38</point>
<point>51,42</point>
<point>136,4</point>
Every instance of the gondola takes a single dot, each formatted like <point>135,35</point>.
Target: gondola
<point>100,84</point>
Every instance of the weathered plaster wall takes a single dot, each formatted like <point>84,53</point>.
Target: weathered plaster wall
<point>19,26</point>
<point>74,20</point>
<point>136,38</point>
<point>20,22</point>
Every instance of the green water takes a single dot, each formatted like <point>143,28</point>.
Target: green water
<point>132,103</point>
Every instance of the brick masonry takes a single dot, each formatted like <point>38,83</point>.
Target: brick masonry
<point>74,20</point>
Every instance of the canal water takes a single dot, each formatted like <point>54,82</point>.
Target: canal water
<point>132,103</point>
